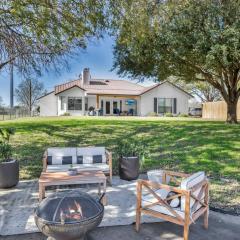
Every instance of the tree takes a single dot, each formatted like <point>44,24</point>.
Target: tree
<point>196,41</point>
<point>202,90</point>
<point>36,34</point>
<point>28,91</point>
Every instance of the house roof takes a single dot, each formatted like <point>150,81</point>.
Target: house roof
<point>110,87</point>
<point>103,86</point>
<point>158,84</point>
<point>45,95</point>
<point>65,86</point>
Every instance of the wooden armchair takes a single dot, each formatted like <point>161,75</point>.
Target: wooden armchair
<point>182,204</point>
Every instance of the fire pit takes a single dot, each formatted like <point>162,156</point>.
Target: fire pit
<point>68,215</point>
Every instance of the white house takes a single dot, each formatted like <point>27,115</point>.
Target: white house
<point>113,97</point>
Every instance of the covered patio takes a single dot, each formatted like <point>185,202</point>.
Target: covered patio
<point>118,105</point>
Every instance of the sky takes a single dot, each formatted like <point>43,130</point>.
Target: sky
<point>98,57</point>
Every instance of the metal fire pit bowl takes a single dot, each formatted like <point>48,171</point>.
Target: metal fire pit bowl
<point>68,215</point>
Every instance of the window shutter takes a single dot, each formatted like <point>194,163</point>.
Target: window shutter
<point>155,105</point>
<point>175,106</point>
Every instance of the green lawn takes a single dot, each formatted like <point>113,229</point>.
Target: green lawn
<point>178,144</point>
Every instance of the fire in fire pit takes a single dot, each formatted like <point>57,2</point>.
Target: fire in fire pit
<point>72,213</point>
<point>68,215</point>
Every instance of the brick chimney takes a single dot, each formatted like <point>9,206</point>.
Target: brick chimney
<point>86,76</point>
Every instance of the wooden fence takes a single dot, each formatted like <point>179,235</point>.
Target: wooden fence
<point>217,110</point>
<point>10,114</point>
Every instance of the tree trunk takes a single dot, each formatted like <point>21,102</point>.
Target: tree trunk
<point>30,98</point>
<point>232,112</point>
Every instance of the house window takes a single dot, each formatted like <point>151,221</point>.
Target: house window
<point>165,105</point>
<point>62,100</point>
<point>74,103</point>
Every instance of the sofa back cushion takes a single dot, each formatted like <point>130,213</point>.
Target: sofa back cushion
<point>91,155</point>
<point>190,182</point>
<point>58,156</point>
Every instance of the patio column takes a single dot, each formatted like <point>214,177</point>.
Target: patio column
<point>97,102</point>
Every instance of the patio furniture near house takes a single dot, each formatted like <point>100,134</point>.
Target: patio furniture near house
<point>63,178</point>
<point>91,111</point>
<point>68,215</point>
<point>83,159</point>
<point>130,112</point>
<point>181,205</point>
<point>116,111</point>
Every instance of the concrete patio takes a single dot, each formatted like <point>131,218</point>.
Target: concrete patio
<point>118,222</point>
<point>222,227</point>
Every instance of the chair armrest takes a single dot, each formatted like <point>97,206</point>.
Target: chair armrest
<point>173,176</point>
<point>44,161</point>
<point>156,185</point>
<point>176,174</point>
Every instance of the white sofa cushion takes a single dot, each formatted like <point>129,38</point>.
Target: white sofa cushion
<point>80,167</point>
<point>87,159</point>
<point>89,152</point>
<point>57,154</point>
<point>190,182</point>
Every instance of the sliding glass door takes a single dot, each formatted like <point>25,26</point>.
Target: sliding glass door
<point>108,107</point>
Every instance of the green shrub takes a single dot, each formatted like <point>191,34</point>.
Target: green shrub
<point>152,114</point>
<point>183,115</point>
<point>5,146</point>
<point>133,147</point>
<point>66,114</point>
<point>168,115</point>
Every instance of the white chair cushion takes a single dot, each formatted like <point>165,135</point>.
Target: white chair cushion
<point>57,154</point>
<point>89,152</point>
<point>149,198</point>
<point>190,182</point>
<point>163,193</point>
<point>81,167</point>
<point>156,176</point>
<point>162,209</point>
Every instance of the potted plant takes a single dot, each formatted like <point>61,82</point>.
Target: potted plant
<point>9,168</point>
<point>131,153</point>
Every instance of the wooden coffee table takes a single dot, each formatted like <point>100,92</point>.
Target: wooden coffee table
<point>62,178</point>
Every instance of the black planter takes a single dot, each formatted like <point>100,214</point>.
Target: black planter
<point>129,168</point>
<point>9,174</point>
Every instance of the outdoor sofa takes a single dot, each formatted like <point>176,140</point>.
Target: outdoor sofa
<point>57,159</point>
<point>181,204</point>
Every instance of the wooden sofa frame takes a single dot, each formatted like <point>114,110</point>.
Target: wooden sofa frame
<point>108,158</point>
<point>188,194</point>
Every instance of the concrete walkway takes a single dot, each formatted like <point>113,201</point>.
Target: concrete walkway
<point>221,227</point>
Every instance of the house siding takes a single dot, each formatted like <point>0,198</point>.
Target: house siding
<point>92,101</point>
<point>73,92</point>
<point>48,105</point>
<point>165,90</point>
